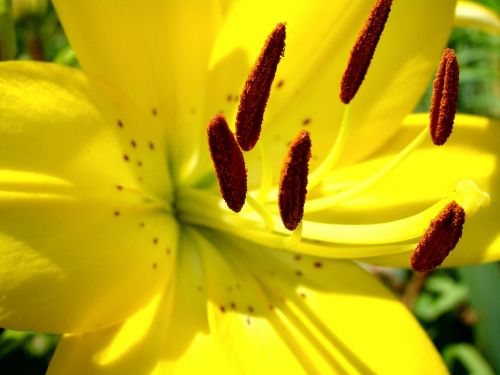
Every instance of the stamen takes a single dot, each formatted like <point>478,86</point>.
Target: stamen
<point>228,162</point>
<point>444,98</point>
<point>293,182</point>
<point>439,239</point>
<point>257,88</point>
<point>363,50</point>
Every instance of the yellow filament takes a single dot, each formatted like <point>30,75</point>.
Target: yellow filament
<point>335,152</point>
<point>319,204</point>
<point>266,182</point>
<point>333,240</point>
<point>262,212</point>
<point>294,238</point>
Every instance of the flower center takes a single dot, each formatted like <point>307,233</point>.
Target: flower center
<point>226,154</point>
<point>444,219</point>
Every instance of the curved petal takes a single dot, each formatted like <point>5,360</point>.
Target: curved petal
<point>44,107</point>
<point>221,321</point>
<point>170,335</point>
<point>72,244</point>
<point>341,319</point>
<point>473,14</point>
<point>308,78</point>
<point>426,176</point>
<point>156,51</point>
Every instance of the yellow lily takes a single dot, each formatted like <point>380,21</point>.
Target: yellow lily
<point>112,223</point>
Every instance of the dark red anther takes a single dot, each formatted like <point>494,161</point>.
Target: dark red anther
<point>439,239</point>
<point>293,182</point>
<point>363,50</point>
<point>257,88</point>
<point>228,162</point>
<point>444,98</point>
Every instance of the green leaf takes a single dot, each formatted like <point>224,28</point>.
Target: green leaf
<point>469,357</point>
<point>442,294</point>
<point>484,282</point>
<point>8,46</point>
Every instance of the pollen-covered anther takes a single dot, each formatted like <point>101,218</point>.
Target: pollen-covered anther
<point>228,162</point>
<point>439,239</point>
<point>444,98</point>
<point>363,50</point>
<point>257,88</point>
<point>293,182</point>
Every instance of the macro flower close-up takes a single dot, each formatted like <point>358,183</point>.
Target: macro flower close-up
<point>210,188</point>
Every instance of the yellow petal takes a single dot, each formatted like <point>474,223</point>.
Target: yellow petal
<point>318,44</point>
<point>473,14</point>
<point>170,335</point>
<point>74,254</point>
<point>220,321</point>
<point>54,121</point>
<point>426,176</point>
<point>156,51</point>
<point>329,312</point>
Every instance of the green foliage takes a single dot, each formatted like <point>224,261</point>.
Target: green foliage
<point>461,316</point>
<point>441,294</point>
<point>25,352</point>
<point>479,56</point>
<point>484,283</point>
<point>8,46</point>
<point>493,4</point>
<point>468,357</point>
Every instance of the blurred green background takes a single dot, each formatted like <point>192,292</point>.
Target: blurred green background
<point>459,309</point>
